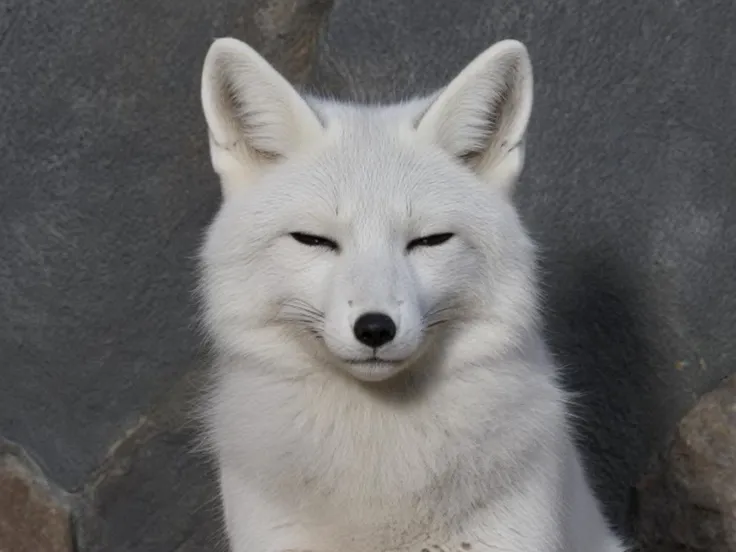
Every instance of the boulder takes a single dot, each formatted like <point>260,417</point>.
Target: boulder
<point>687,501</point>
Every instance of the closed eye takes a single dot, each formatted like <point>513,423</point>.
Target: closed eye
<point>314,241</point>
<point>432,240</point>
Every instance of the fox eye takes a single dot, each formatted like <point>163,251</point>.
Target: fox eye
<point>314,241</point>
<point>429,241</point>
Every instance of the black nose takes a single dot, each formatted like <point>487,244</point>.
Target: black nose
<point>374,329</point>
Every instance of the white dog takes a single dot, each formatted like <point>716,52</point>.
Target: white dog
<point>381,382</point>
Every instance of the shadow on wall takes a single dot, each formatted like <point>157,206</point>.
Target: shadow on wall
<point>594,328</point>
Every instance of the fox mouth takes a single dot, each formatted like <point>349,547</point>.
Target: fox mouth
<point>373,369</point>
<point>371,363</point>
<point>372,360</point>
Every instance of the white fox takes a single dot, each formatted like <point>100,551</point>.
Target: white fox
<point>381,381</point>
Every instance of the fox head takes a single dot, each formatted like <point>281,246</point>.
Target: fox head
<point>363,234</point>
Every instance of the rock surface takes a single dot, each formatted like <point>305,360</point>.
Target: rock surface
<point>105,188</point>
<point>688,500</point>
<point>286,33</point>
<point>33,516</point>
<point>106,185</point>
<point>156,490</point>
<point>628,188</point>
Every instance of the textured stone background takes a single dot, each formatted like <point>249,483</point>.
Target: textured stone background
<point>629,187</point>
<point>105,186</point>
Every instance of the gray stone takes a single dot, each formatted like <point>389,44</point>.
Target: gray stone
<point>34,516</point>
<point>105,187</point>
<point>156,491</point>
<point>688,499</point>
<point>628,187</point>
<point>286,33</point>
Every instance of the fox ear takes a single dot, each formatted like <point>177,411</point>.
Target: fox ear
<point>255,117</point>
<point>482,115</point>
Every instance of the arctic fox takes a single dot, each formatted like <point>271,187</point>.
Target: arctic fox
<point>381,382</point>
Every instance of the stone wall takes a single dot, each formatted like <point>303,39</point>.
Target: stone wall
<point>106,186</point>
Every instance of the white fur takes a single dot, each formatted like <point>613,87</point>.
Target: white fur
<point>455,436</point>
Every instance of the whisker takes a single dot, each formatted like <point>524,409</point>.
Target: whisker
<point>303,307</point>
<point>439,315</point>
<point>300,318</point>
<point>301,313</point>
<point>436,323</point>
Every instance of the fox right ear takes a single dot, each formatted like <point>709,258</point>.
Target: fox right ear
<point>255,117</point>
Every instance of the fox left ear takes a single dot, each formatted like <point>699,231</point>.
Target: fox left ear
<point>482,115</point>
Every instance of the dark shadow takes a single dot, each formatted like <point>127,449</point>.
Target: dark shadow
<point>594,327</point>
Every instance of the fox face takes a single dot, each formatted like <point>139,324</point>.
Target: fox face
<point>364,233</point>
